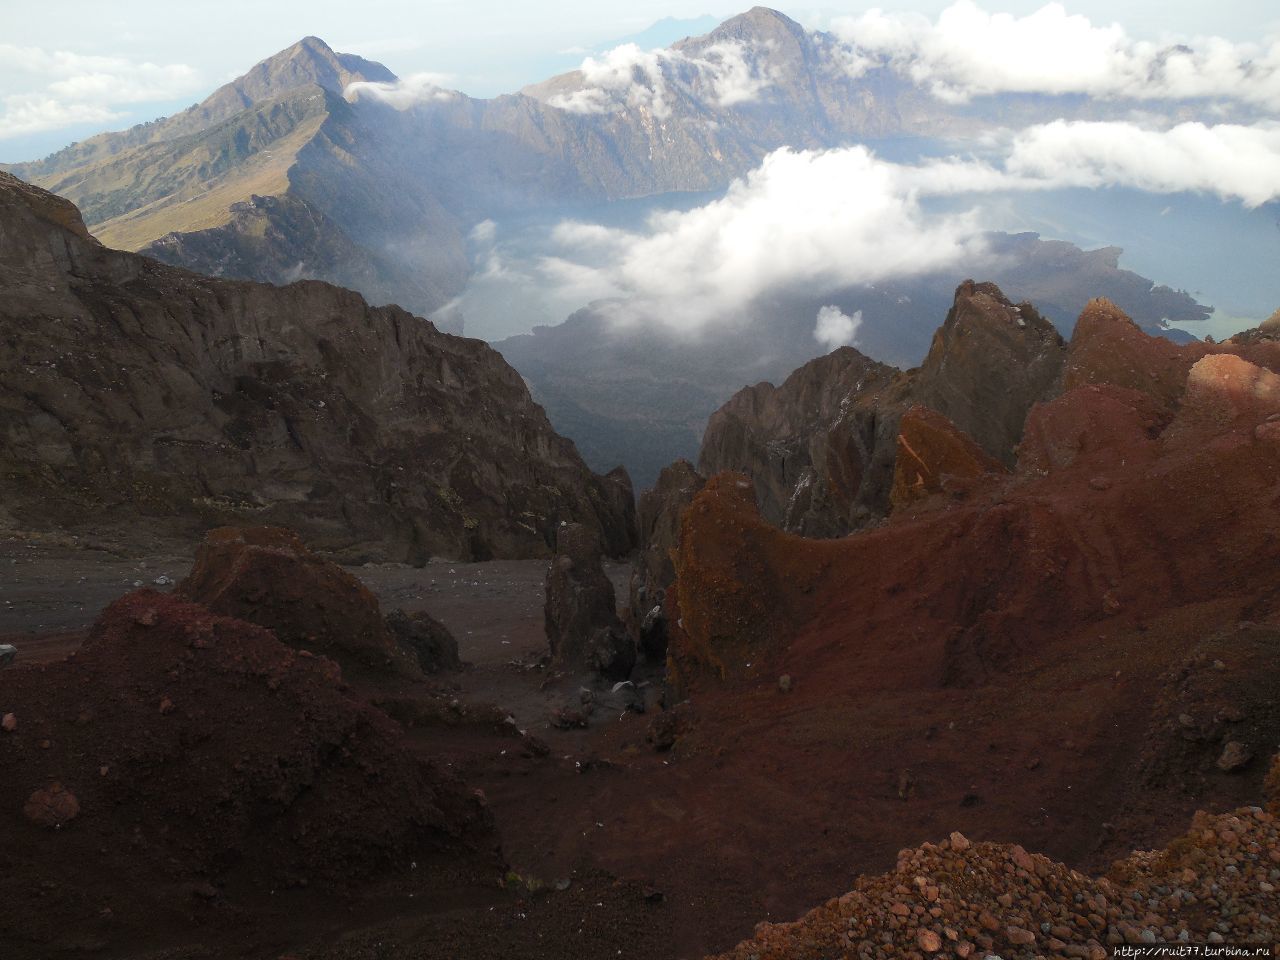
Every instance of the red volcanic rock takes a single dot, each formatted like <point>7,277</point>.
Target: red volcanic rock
<point>267,576</point>
<point>1089,423</point>
<point>52,807</point>
<point>933,456</point>
<point>820,448</point>
<point>1109,348</point>
<point>949,596</point>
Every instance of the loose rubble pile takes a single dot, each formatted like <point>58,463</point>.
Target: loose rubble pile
<point>962,899</point>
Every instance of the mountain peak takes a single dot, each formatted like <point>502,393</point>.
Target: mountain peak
<point>309,61</point>
<point>758,23</point>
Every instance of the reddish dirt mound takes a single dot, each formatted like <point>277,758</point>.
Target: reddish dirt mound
<point>1217,883</point>
<point>205,757</point>
<point>935,456</point>
<point>267,576</point>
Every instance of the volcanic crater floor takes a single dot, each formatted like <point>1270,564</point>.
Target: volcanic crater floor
<point>769,803</point>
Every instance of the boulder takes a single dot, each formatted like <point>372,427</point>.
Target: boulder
<point>434,647</point>
<point>580,612</point>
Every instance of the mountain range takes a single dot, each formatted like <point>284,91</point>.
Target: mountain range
<point>317,164</point>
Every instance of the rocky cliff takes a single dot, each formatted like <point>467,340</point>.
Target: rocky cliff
<point>140,399</point>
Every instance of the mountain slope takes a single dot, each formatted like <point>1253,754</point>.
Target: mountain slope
<point>139,400</point>
<point>274,177</point>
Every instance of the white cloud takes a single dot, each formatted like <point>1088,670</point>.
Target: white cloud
<point>1234,162</point>
<point>404,93</point>
<point>969,52</point>
<point>835,328</point>
<point>628,77</point>
<point>822,219</point>
<point>825,220</point>
<point>64,88</point>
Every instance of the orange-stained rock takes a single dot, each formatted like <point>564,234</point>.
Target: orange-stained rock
<point>934,456</point>
<point>267,576</point>
<point>1109,348</point>
<point>1224,388</point>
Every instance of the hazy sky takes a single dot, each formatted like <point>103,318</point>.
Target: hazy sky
<point>70,68</point>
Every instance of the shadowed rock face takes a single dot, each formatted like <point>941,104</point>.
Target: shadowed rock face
<point>820,449</point>
<point>140,400</point>
<point>989,362</point>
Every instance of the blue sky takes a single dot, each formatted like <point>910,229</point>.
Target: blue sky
<point>70,68</point>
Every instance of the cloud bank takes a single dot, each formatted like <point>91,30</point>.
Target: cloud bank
<point>65,88</point>
<point>826,220</point>
<point>969,52</point>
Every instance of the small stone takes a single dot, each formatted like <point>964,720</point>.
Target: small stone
<point>9,723</point>
<point>929,941</point>
<point>52,807</point>
<point>784,683</point>
<point>1235,756</point>
<point>959,842</point>
<point>899,909</point>
<point>1019,937</point>
<point>166,706</point>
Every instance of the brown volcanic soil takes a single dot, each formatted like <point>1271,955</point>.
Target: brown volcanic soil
<point>745,786</point>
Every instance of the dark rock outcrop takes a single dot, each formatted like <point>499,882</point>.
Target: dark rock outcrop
<point>142,400</point>
<point>989,362</point>
<point>435,648</point>
<point>820,450</point>
<point>658,528</point>
<point>583,629</point>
